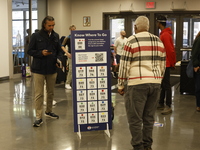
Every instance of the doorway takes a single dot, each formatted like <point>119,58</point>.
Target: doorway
<point>185,26</point>
<point>118,22</point>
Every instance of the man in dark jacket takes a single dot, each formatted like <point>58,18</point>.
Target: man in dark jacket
<point>46,51</point>
<point>166,38</point>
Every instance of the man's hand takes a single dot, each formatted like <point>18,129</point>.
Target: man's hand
<point>69,55</point>
<point>121,91</point>
<point>46,52</point>
<point>59,63</point>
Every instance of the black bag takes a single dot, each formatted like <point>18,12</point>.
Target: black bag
<point>190,70</point>
<point>61,72</point>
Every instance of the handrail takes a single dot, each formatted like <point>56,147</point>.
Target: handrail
<point>186,49</point>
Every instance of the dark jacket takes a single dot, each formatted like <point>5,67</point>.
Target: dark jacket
<point>67,41</point>
<point>39,41</point>
<point>196,52</point>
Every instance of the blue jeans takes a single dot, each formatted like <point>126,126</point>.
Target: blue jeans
<point>141,103</point>
<point>197,88</point>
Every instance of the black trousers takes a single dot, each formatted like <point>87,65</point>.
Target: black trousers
<point>197,88</point>
<point>166,90</point>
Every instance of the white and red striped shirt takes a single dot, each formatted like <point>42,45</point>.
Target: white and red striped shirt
<point>142,60</point>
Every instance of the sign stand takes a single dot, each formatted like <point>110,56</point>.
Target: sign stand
<point>91,80</point>
<point>79,133</point>
<point>107,131</point>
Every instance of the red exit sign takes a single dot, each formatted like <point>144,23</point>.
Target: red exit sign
<point>150,4</point>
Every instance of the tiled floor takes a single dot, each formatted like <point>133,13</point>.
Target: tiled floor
<point>180,131</point>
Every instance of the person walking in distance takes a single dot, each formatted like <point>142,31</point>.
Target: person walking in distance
<point>166,92</point>
<point>46,51</point>
<point>142,65</point>
<point>67,51</point>
<point>118,48</point>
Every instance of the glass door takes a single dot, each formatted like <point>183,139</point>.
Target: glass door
<point>173,22</point>
<point>132,25</point>
<point>185,27</point>
<point>191,27</point>
<point>116,25</point>
<point>118,22</point>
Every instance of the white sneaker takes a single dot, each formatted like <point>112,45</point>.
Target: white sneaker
<point>67,86</point>
<point>54,103</point>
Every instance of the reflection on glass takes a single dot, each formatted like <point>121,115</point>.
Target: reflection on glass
<point>116,25</point>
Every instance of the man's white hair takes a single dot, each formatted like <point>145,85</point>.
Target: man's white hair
<point>142,23</point>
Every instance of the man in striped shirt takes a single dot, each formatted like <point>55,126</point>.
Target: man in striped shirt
<point>142,64</point>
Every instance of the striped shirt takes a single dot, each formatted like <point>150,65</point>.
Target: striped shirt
<point>142,60</point>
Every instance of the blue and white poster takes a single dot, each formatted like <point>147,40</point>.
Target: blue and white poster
<point>91,80</point>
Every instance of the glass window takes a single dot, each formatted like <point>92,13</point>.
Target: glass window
<point>20,26</point>
<point>34,25</point>
<point>191,27</point>
<point>17,15</point>
<point>133,23</point>
<point>185,34</point>
<point>196,29</point>
<point>17,30</point>
<point>34,14</point>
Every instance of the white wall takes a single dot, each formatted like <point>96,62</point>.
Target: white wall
<point>5,39</point>
<point>67,12</point>
<point>61,11</point>
<point>95,9</point>
<point>42,9</point>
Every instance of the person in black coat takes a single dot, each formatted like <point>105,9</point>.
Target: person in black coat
<point>196,66</point>
<point>45,49</point>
